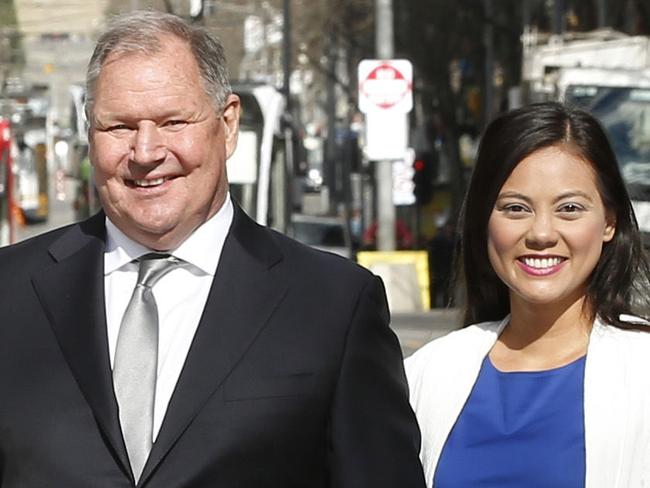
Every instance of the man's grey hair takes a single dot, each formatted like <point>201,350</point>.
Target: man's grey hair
<point>143,32</point>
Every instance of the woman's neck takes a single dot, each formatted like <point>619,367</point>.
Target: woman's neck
<point>540,337</point>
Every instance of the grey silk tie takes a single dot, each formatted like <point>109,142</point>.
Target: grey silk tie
<point>136,360</point>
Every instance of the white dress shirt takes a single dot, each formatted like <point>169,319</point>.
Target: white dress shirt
<point>180,295</point>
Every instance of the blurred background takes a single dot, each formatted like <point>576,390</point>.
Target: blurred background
<point>303,165</point>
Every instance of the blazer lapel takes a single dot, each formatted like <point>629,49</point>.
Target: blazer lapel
<point>71,292</point>
<point>606,396</point>
<point>242,298</point>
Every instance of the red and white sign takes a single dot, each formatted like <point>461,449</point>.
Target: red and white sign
<point>385,85</point>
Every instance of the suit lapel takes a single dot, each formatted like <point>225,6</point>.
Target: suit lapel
<point>71,292</point>
<point>242,298</point>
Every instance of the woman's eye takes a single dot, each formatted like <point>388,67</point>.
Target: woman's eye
<point>514,208</point>
<point>571,208</point>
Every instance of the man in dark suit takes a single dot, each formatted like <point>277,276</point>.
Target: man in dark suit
<point>239,358</point>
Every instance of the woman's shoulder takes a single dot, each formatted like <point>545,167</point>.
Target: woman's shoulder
<point>455,346</point>
<point>618,360</point>
<point>636,329</point>
<point>633,342</point>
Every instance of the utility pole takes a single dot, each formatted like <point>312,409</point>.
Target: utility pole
<point>488,40</point>
<point>526,14</point>
<point>558,17</point>
<point>288,117</point>
<point>331,163</point>
<point>602,13</point>
<point>384,168</point>
<point>286,53</point>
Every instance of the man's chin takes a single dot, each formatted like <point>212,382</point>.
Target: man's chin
<point>160,238</point>
<point>160,235</point>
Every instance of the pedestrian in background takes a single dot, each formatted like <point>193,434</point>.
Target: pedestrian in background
<point>170,341</point>
<point>548,384</point>
<point>441,251</point>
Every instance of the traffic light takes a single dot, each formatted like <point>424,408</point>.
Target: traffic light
<point>425,169</point>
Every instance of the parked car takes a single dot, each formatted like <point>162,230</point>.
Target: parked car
<point>327,233</point>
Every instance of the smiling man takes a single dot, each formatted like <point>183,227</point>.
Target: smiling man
<point>159,144</point>
<point>169,341</point>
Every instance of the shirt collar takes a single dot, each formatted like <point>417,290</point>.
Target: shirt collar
<point>201,249</point>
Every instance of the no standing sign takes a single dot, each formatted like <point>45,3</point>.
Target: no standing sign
<point>385,97</point>
<point>385,85</point>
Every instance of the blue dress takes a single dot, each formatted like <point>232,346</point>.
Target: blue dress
<point>518,429</point>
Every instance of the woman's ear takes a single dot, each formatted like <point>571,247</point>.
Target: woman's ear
<point>610,228</point>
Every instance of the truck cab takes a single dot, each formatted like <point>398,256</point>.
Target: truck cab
<point>608,74</point>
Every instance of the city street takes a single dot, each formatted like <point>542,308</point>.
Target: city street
<point>413,329</point>
<point>416,329</point>
<point>61,213</point>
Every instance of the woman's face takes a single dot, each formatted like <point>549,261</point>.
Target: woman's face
<point>547,229</point>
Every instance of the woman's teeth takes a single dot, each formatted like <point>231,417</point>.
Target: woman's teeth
<point>541,263</point>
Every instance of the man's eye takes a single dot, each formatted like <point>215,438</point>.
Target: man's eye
<point>175,123</point>
<point>118,127</point>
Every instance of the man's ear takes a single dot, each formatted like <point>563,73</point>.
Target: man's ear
<point>231,123</point>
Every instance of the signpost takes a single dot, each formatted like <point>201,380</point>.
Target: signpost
<point>385,86</point>
<point>386,97</point>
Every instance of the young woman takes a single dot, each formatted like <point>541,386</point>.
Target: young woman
<point>551,385</point>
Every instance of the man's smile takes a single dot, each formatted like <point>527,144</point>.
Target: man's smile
<point>148,182</point>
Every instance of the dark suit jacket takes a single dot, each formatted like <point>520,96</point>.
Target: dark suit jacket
<point>293,379</point>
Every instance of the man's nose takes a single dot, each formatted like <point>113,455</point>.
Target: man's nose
<point>542,232</point>
<point>148,145</point>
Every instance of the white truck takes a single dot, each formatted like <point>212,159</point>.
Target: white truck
<point>607,73</point>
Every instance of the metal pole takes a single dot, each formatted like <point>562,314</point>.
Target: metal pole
<point>288,117</point>
<point>526,14</point>
<point>488,39</point>
<point>331,172</point>
<point>602,13</point>
<point>384,168</point>
<point>286,52</point>
<point>558,17</point>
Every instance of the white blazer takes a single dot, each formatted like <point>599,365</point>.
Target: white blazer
<point>616,398</point>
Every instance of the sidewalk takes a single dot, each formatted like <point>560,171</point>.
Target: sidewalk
<point>416,329</point>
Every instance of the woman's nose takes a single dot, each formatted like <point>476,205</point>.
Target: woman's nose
<point>542,232</point>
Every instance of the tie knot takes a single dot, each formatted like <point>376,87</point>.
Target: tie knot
<point>154,266</point>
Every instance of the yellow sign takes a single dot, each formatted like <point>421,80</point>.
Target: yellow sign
<point>405,275</point>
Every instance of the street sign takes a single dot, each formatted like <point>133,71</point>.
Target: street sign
<point>386,96</point>
<point>385,86</point>
<point>386,136</point>
<point>403,179</point>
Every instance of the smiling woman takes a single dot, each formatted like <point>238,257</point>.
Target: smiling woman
<point>549,383</point>
<point>544,240</point>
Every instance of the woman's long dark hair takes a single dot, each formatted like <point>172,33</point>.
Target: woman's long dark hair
<point>622,269</point>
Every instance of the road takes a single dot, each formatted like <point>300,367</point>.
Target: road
<point>61,213</point>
